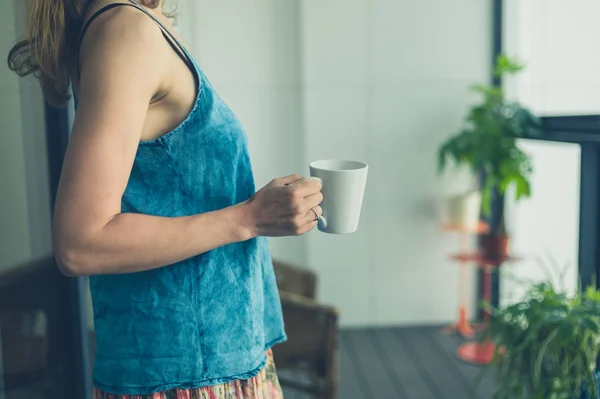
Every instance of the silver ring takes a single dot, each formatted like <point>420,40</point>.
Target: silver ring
<point>316,216</point>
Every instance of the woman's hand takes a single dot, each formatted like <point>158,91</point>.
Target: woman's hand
<point>287,206</point>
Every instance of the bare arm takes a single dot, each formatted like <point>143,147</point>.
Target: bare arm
<point>91,235</point>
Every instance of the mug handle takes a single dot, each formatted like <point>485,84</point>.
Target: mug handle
<point>322,222</point>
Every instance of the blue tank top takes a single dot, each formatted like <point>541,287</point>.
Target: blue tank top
<point>206,320</point>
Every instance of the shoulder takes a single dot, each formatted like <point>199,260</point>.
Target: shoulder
<point>122,29</point>
<point>123,22</point>
<point>116,51</point>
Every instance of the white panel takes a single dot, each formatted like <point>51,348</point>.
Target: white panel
<point>15,245</point>
<point>556,40</point>
<point>429,40</point>
<point>334,40</point>
<point>36,166</point>
<point>411,252</point>
<point>545,228</point>
<point>424,56</point>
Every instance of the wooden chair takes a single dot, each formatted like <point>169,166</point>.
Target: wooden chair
<point>29,357</point>
<point>310,354</point>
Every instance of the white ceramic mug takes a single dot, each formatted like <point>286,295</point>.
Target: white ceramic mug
<point>343,191</point>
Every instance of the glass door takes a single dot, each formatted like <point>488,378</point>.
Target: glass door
<point>560,83</point>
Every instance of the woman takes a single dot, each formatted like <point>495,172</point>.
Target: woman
<point>157,203</point>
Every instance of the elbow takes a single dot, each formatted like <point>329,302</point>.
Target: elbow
<point>71,261</point>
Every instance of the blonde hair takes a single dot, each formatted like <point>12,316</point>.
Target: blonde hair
<point>53,29</point>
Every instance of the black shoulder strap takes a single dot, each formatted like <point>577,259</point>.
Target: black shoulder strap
<point>171,39</point>
<point>177,46</point>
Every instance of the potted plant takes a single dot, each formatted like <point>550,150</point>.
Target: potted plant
<point>463,209</point>
<point>487,144</point>
<point>547,345</point>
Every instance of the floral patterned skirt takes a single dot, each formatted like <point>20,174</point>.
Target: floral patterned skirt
<point>263,386</point>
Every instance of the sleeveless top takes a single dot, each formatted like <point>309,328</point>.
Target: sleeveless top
<point>206,320</point>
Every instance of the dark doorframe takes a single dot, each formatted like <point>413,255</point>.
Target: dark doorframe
<point>589,215</point>
<point>2,389</point>
<point>498,201</point>
<point>73,344</point>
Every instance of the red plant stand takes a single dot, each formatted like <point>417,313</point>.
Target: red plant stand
<point>462,325</point>
<point>481,353</point>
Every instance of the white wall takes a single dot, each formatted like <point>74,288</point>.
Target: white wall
<point>555,40</point>
<point>378,81</point>
<point>24,199</point>
<point>386,83</point>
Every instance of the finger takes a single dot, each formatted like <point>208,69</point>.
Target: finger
<point>313,200</point>
<point>307,187</point>
<point>313,214</point>
<point>291,179</point>
<point>317,179</point>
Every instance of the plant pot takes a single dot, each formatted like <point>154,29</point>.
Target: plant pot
<point>463,210</point>
<point>495,246</point>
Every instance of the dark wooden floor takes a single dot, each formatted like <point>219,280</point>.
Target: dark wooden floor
<point>404,363</point>
<point>394,363</point>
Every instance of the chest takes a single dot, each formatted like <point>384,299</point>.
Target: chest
<point>173,102</point>
<point>202,165</point>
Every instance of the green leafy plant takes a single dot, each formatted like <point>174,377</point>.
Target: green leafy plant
<point>547,344</point>
<point>487,143</point>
